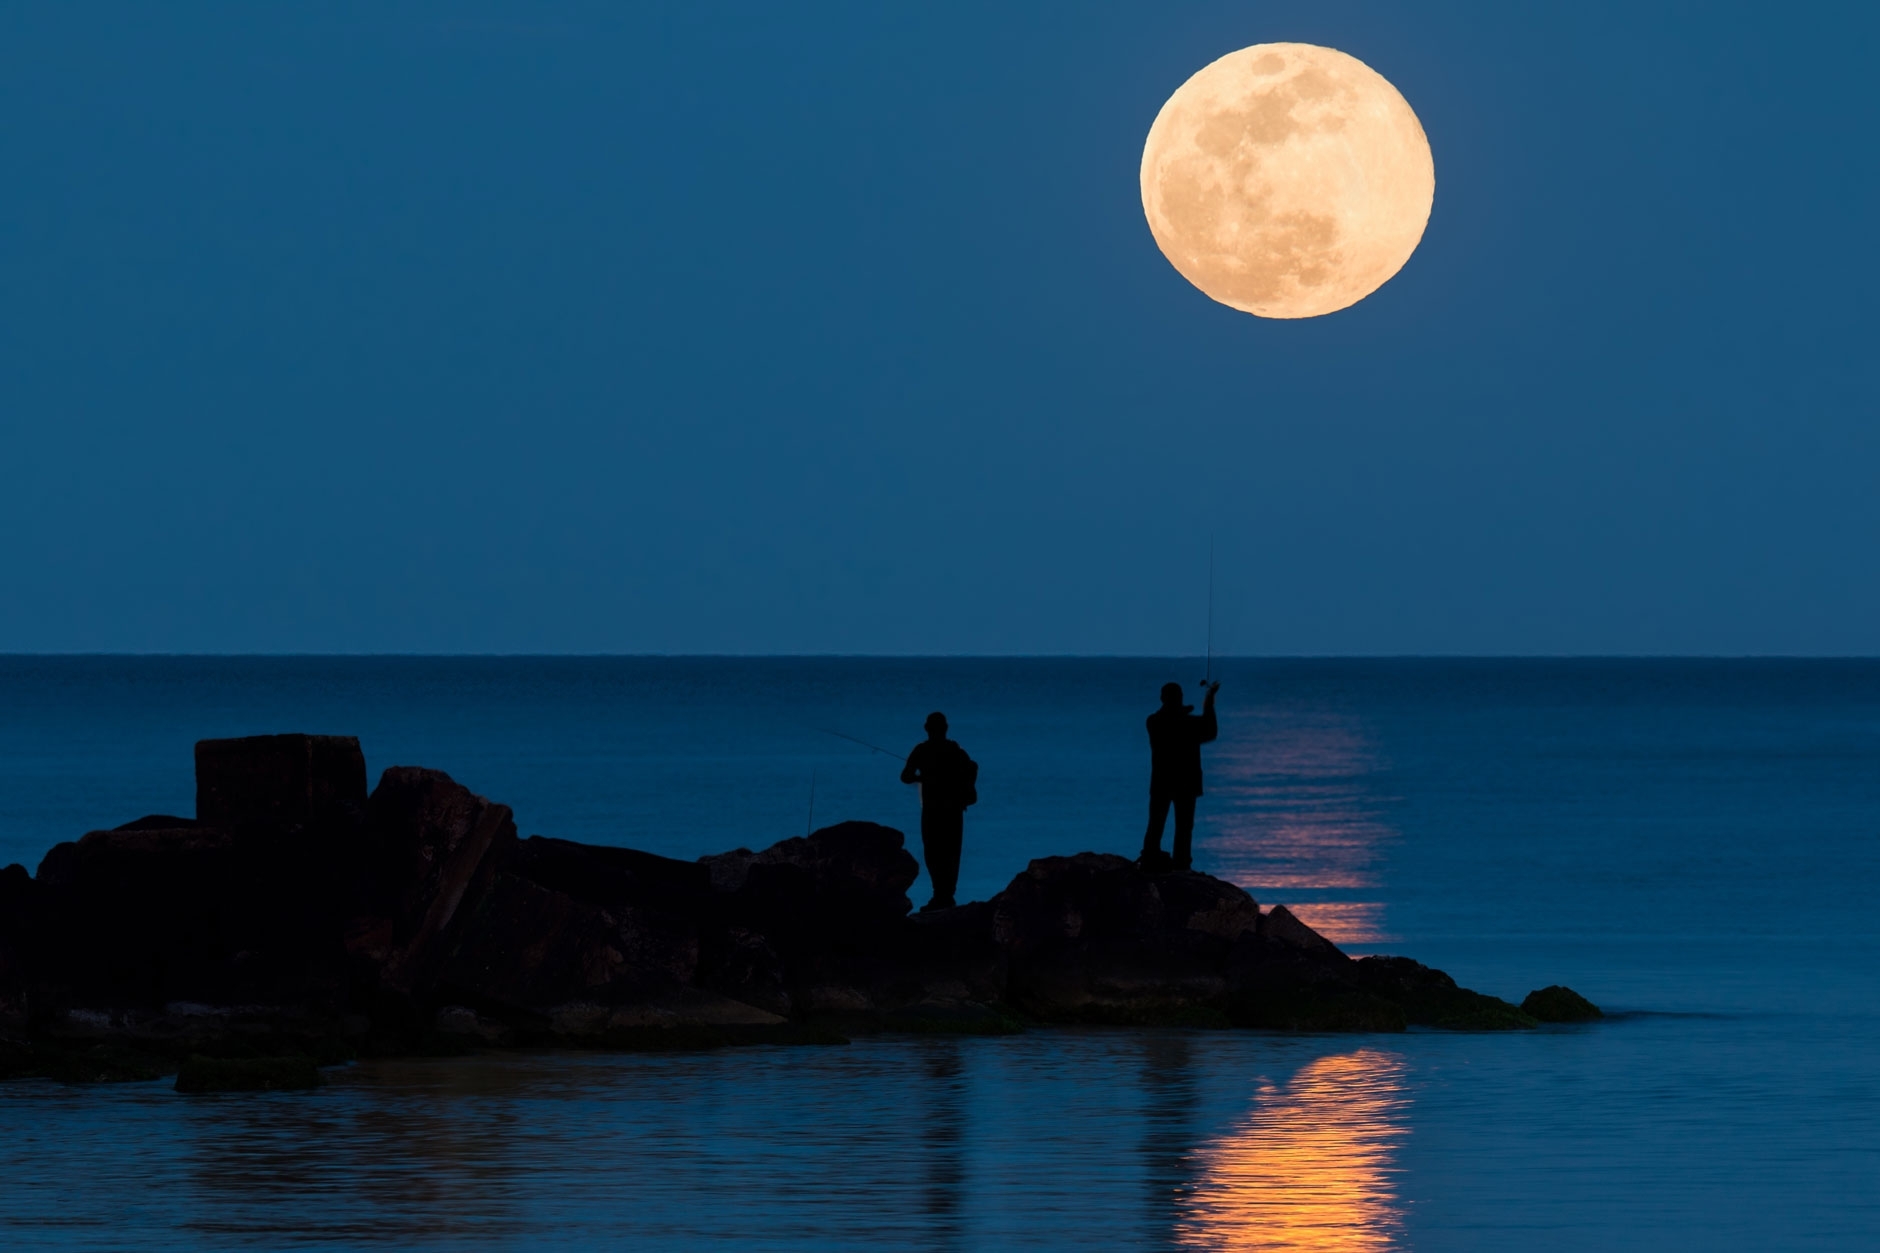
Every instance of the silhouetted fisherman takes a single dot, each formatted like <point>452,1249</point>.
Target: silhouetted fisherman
<point>948,781</point>
<point>1175,739</point>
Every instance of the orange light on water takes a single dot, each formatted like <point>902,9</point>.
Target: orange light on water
<point>1344,922</point>
<point>1312,1166</point>
<point>1294,810</point>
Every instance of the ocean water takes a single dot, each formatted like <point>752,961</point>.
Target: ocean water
<point>1694,844</point>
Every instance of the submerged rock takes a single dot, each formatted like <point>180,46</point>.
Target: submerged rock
<point>247,1074</point>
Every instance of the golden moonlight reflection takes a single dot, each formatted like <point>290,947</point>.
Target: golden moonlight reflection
<point>1312,1167</point>
<point>1294,816</point>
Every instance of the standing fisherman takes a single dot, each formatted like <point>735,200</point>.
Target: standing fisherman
<point>947,779</point>
<point>1175,739</point>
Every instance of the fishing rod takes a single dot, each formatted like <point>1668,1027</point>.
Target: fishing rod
<point>864,743</point>
<point>1210,671</point>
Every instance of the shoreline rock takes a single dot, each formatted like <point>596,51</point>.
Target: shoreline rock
<point>300,916</point>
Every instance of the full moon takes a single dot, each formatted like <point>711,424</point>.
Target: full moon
<point>1287,180</point>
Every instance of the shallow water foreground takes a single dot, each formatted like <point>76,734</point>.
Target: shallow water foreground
<point>1562,1138</point>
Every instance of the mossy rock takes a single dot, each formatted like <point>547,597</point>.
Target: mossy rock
<point>1560,1004</point>
<point>247,1074</point>
<point>1482,1013</point>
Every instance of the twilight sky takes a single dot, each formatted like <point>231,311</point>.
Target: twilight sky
<point>838,328</point>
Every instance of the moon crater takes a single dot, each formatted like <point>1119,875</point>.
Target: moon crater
<point>1287,180</point>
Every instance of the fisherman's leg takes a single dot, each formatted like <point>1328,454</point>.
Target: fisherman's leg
<point>940,834</point>
<point>1158,815</point>
<point>943,855</point>
<point>1184,831</point>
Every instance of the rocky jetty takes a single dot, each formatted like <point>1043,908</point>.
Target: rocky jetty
<point>299,916</point>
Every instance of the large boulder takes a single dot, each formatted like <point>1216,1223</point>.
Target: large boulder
<point>854,875</point>
<point>277,778</point>
<point>241,904</point>
<point>529,948</point>
<point>1094,938</point>
<point>438,847</point>
<point>155,912</point>
<point>810,924</point>
<point>615,877</point>
<point>141,916</point>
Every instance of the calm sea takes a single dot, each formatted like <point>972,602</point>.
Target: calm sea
<point>1693,844</point>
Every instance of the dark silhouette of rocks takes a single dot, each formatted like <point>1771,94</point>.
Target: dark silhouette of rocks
<point>1558,1004</point>
<point>298,917</point>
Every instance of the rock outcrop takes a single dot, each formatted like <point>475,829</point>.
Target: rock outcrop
<point>297,916</point>
<point>1558,1004</point>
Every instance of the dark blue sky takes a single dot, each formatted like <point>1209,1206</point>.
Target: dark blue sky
<point>837,328</point>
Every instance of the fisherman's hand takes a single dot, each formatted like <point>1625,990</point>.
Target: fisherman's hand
<point>1213,688</point>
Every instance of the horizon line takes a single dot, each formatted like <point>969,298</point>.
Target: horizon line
<point>845,656</point>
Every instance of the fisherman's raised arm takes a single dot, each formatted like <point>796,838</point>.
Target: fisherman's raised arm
<point>1209,727</point>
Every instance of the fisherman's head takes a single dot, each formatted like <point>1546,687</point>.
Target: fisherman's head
<point>936,725</point>
<point>1171,695</point>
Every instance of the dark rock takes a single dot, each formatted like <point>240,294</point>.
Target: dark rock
<point>849,877</point>
<point>139,858</point>
<point>1282,927</point>
<point>948,957</point>
<point>1092,938</point>
<point>1560,1004</point>
<point>743,965</point>
<point>277,778</point>
<point>257,1074</point>
<point>1431,998</point>
<point>142,916</point>
<point>529,948</point>
<point>614,876</point>
<point>18,915</point>
<point>831,906</point>
<point>439,846</point>
<point>950,1017</point>
<point>294,916</point>
<point>658,905</point>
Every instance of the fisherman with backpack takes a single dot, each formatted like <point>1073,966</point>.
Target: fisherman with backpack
<point>947,779</point>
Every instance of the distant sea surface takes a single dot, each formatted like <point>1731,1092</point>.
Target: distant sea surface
<point>1695,845</point>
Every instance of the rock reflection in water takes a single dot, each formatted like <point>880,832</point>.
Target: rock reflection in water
<point>1293,814</point>
<point>1312,1167</point>
<point>943,1135</point>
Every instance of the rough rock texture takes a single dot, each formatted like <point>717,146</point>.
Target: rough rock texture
<point>297,917</point>
<point>440,847</point>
